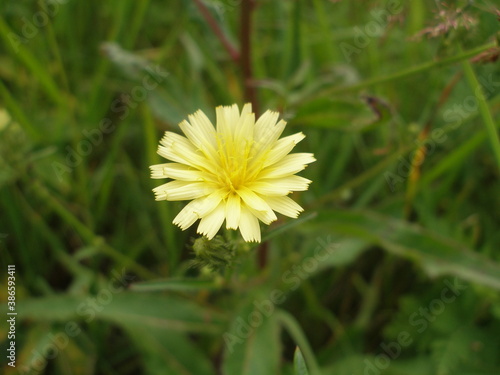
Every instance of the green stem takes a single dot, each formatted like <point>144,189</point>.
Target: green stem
<point>406,72</point>
<point>293,328</point>
<point>362,178</point>
<point>484,110</point>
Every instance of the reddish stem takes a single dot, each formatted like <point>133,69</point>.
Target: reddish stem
<point>233,52</point>
<point>247,7</point>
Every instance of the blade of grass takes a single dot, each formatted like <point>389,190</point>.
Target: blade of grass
<point>293,328</point>
<point>484,110</point>
<point>32,63</point>
<point>418,69</point>
<point>56,245</point>
<point>18,113</point>
<point>87,234</point>
<point>175,284</point>
<point>363,177</point>
<point>102,69</point>
<point>452,159</point>
<point>137,21</point>
<point>54,46</point>
<point>285,227</point>
<point>165,213</point>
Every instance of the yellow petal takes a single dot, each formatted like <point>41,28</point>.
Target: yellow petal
<point>208,203</point>
<point>210,224</point>
<point>287,166</point>
<point>291,183</point>
<point>203,127</point>
<point>233,211</point>
<point>265,188</point>
<point>179,172</point>
<point>282,147</point>
<point>244,131</point>
<point>179,149</point>
<point>265,122</point>
<point>267,217</point>
<point>182,190</point>
<point>285,206</point>
<point>227,118</point>
<point>204,143</point>
<point>187,216</point>
<point>249,226</point>
<point>252,200</point>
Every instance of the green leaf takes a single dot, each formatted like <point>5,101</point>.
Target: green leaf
<point>252,344</point>
<point>76,360</point>
<point>179,285</point>
<point>352,114</point>
<point>437,254</point>
<point>467,348</point>
<point>334,250</point>
<point>287,226</point>
<point>125,309</point>
<point>299,364</point>
<point>167,352</point>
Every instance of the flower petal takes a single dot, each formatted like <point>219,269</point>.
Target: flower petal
<point>244,130</point>
<point>227,118</point>
<point>279,186</point>
<point>203,128</point>
<point>268,189</point>
<point>252,200</point>
<point>292,183</point>
<point>179,149</point>
<point>266,138</point>
<point>285,206</point>
<point>197,138</point>
<point>178,172</point>
<point>208,203</point>
<point>267,217</point>
<point>186,217</point>
<point>287,166</point>
<point>210,224</point>
<point>233,211</point>
<point>265,123</point>
<point>182,190</point>
<point>249,226</point>
<point>282,147</point>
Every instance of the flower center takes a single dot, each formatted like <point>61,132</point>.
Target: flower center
<point>234,161</point>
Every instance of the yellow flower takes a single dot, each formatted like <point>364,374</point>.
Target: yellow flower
<point>239,171</point>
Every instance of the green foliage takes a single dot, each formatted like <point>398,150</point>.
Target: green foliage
<point>393,268</point>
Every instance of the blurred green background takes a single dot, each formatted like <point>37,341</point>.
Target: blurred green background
<point>393,268</point>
